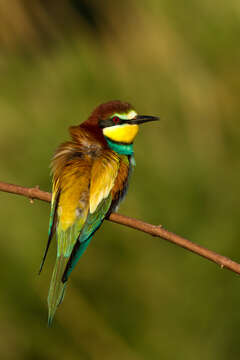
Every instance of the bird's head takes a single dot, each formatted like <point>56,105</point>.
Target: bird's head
<point>118,121</point>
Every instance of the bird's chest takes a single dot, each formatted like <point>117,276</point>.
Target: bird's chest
<point>119,190</point>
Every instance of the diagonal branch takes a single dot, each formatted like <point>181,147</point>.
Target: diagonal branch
<point>159,231</point>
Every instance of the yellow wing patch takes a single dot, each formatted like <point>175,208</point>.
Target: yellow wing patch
<point>74,196</point>
<point>104,173</point>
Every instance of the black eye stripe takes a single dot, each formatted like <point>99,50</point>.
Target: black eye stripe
<point>110,122</point>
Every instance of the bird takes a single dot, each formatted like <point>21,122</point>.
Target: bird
<point>90,176</point>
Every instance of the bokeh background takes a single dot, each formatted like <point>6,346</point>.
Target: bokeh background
<point>132,296</point>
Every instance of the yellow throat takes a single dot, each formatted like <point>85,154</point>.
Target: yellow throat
<point>121,133</point>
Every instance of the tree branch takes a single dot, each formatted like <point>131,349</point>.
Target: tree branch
<point>159,231</point>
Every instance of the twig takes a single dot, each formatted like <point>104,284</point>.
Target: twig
<point>159,231</point>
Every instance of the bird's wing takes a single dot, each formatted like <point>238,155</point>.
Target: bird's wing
<point>103,175</point>
<point>73,204</point>
<point>72,210</point>
<point>52,221</point>
<point>70,198</point>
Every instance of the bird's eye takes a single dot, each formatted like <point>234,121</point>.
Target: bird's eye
<point>116,120</point>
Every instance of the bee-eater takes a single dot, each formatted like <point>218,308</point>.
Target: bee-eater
<point>90,178</point>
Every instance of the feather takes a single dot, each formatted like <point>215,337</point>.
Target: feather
<point>103,175</point>
<point>91,225</point>
<point>52,226</point>
<point>57,287</point>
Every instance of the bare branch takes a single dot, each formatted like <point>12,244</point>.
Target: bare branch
<point>159,231</point>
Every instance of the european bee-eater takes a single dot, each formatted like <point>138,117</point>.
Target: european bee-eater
<point>90,178</point>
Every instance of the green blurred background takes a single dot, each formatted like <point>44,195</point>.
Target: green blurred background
<point>132,296</point>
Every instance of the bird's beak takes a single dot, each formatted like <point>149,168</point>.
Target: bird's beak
<point>140,119</point>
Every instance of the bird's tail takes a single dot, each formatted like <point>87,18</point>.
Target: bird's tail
<point>57,287</point>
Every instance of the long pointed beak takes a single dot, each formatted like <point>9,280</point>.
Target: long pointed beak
<point>140,119</point>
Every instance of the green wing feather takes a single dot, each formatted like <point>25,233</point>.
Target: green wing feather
<point>91,225</point>
<point>66,240</point>
<point>52,227</point>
